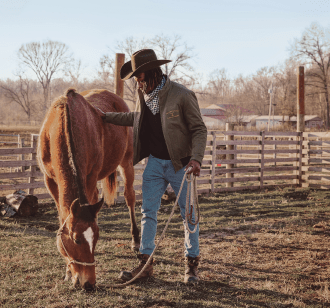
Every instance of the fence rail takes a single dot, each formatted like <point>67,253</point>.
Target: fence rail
<point>233,161</point>
<point>316,160</point>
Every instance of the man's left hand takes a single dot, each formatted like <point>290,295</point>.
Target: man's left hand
<point>195,167</point>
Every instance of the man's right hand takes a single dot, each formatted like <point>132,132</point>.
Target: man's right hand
<point>103,114</point>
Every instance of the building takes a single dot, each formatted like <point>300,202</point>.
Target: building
<point>311,121</point>
<point>212,123</point>
<point>247,121</point>
<point>217,115</point>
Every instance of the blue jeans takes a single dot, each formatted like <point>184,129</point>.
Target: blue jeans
<point>156,176</point>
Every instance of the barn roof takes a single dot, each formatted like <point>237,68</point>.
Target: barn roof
<point>286,118</point>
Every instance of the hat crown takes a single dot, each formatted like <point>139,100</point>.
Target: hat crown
<point>141,57</point>
<point>141,61</point>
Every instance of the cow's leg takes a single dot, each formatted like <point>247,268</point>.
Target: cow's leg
<point>127,172</point>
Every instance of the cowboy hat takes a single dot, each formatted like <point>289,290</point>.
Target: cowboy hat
<point>141,61</point>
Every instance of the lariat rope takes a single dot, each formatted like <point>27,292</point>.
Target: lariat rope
<point>193,203</point>
<point>72,261</point>
<point>188,217</point>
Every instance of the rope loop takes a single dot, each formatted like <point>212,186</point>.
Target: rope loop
<point>192,204</point>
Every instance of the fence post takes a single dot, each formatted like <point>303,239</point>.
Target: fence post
<point>21,156</point>
<point>229,127</point>
<point>214,157</point>
<point>301,100</point>
<point>305,157</point>
<point>119,84</point>
<point>274,139</point>
<point>262,159</point>
<point>33,169</point>
<point>299,181</point>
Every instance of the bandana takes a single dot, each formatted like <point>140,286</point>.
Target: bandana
<point>152,99</point>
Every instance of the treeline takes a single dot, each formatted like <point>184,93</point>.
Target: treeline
<point>55,69</point>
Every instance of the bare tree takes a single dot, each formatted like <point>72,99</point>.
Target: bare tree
<point>286,88</point>
<point>44,59</point>
<point>106,73</point>
<point>262,81</point>
<point>172,48</point>
<point>313,49</point>
<point>130,45</point>
<point>107,67</point>
<point>220,84</point>
<point>20,92</point>
<point>166,47</point>
<point>74,70</point>
<point>236,114</point>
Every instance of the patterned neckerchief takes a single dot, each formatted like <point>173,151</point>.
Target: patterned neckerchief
<point>152,99</point>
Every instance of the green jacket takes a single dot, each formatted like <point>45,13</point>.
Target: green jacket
<point>184,130</point>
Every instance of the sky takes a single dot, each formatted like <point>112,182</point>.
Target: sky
<point>241,36</point>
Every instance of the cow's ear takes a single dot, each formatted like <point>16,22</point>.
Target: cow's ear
<point>95,208</point>
<point>75,208</point>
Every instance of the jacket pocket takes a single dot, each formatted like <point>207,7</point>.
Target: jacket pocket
<point>175,122</point>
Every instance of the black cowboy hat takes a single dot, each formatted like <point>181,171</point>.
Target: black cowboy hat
<point>141,61</point>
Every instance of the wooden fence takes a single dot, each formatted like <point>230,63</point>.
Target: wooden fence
<point>252,160</point>
<point>316,160</point>
<point>233,161</point>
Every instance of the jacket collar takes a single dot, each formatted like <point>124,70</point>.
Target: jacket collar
<point>162,95</point>
<point>164,91</point>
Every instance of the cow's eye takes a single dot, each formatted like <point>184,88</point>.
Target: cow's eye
<point>77,241</point>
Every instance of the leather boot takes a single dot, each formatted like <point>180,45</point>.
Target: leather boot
<point>191,270</point>
<point>128,275</point>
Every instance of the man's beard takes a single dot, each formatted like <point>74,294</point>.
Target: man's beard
<point>144,88</point>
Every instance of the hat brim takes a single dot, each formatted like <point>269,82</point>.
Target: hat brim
<point>126,71</point>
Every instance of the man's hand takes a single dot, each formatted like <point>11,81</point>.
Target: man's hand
<point>103,114</point>
<point>196,167</point>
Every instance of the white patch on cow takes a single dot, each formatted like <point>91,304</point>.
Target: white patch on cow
<point>89,236</point>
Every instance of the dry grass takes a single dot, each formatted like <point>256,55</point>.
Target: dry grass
<point>25,129</point>
<point>261,249</point>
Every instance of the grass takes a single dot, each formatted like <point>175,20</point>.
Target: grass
<point>258,249</point>
<point>19,129</point>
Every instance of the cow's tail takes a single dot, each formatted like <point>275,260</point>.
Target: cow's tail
<point>109,187</point>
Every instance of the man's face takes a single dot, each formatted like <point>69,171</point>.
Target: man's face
<point>143,86</point>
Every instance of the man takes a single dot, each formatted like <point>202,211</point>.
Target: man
<point>168,128</point>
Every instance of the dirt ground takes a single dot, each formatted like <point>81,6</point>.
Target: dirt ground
<point>258,249</point>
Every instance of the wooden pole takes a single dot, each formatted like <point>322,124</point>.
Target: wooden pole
<point>230,127</point>
<point>21,156</point>
<point>270,91</point>
<point>33,169</point>
<point>119,84</point>
<point>214,157</point>
<point>262,159</point>
<point>300,99</point>
<point>300,173</point>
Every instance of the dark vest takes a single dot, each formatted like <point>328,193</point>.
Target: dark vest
<point>154,137</point>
